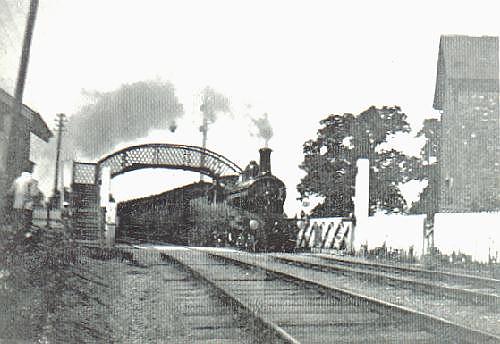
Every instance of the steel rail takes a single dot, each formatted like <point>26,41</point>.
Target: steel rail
<point>266,323</point>
<point>431,288</point>
<point>432,323</point>
<point>486,282</point>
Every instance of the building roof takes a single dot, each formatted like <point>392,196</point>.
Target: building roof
<point>465,58</point>
<point>37,124</point>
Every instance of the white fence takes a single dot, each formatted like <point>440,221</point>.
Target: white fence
<point>326,233</point>
<point>474,234</point>
<point>401,232</point>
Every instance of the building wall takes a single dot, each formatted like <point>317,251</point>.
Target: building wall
<point>10,165</point>
<point>469,172</point>
<point>4,138</point>
<point>467,88</point>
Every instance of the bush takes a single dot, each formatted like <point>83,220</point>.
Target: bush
<point>41,272</point>
<point>33,266</point>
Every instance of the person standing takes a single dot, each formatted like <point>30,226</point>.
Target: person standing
<point>23,190</point>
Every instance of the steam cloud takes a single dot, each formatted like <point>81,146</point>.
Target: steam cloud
<point>264,129</point>
<point>125,114</point>
<point>122,115</point>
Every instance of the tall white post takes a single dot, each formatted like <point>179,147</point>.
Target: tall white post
<point>361,197</point>
<point>61,199</point>
<point>104,203</point>
<point>110,223</point>
<point>105,188</point>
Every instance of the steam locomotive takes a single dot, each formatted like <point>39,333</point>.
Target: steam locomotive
<point>251,202</point>
<point>261,195</point>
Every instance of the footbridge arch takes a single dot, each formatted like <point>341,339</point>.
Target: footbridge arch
<point>91,181</point>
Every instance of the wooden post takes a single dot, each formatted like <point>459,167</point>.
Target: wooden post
<point>60,126</point>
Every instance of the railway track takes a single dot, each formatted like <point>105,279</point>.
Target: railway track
<point>202,313</point>
<point>298,307</point>
<point>464,288</point>
<point>470,280</point>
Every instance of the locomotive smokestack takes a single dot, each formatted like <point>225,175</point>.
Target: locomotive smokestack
<point>265,160</point>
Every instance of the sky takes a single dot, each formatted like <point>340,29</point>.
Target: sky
<point>297,61</point>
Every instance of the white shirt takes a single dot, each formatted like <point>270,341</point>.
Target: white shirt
<point>24,189</point>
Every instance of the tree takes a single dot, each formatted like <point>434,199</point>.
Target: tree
<point>427,203</point>
<point>330,161</point>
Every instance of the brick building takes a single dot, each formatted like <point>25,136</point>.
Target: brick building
<point>28,121</point>
<point>467,95</point>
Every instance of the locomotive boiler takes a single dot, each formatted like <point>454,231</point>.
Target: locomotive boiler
<point>261,195</point>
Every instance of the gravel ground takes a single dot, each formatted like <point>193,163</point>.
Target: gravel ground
<point>486,318</point>
<point>138,312</point>
<point>149,301</point>
<point>82,317</point>
<point>146,302</point>
<point>21,312</point>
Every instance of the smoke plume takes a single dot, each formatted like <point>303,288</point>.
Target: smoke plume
<point>127,113</point>
<point>264,129</point>
<point>110,118</point>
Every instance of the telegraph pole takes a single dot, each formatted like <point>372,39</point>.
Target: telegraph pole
<point>25,55</point>
<point>18,151</point>
<point>18,132</point>
<point>204,131</point>
<point>61,119</point>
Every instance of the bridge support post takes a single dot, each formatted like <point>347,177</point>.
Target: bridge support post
<point>215,189</point>
<point>107,206</point>
<point>85,203</point>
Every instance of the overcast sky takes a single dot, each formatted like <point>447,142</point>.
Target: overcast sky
<point>298,61</point>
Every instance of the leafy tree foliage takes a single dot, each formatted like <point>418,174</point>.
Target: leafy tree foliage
<point>330,161</point>
<point>427,202</point>
<point>431,130</point>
